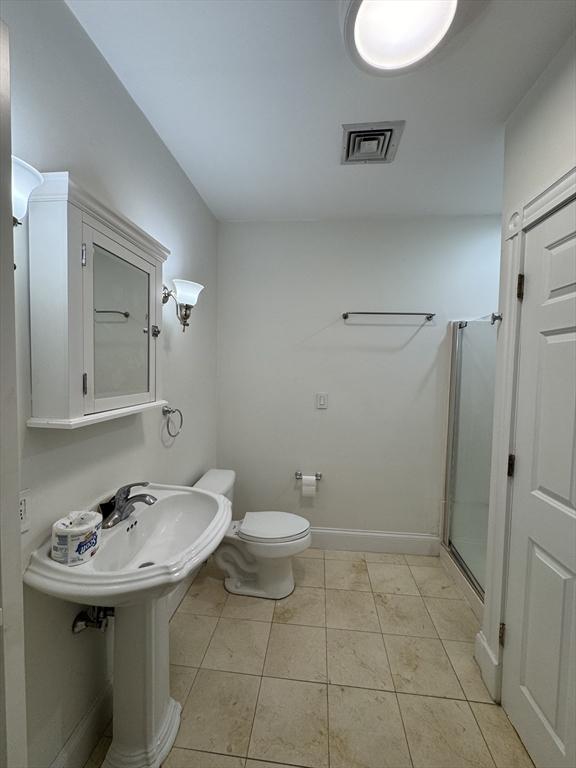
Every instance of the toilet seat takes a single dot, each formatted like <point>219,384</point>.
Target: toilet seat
<point>272,527</point>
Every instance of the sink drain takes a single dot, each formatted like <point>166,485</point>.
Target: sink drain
<point>145,565</point>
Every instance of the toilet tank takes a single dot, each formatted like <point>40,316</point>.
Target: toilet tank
<point>218,481</point>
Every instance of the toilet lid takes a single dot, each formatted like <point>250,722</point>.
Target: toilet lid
<point>273,526</point>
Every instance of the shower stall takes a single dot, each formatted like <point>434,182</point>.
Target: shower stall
<point>469,445</point>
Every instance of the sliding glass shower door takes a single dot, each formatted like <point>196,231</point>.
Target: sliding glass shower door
<point>469,445</point>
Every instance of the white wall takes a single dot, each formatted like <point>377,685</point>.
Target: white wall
<point>540,136</point>
<point>381,444</point>
<point>71,113</point>
<point>540,147</point>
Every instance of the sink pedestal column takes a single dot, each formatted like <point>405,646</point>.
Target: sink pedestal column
<point>146,718</point>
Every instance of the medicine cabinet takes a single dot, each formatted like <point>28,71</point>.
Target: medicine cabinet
<point>95,308</point>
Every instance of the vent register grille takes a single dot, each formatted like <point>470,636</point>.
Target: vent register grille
<point>371,142</point>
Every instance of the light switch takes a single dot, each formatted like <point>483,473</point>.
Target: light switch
<point>321,400</point>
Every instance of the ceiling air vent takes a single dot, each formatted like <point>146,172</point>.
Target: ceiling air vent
<point>371,142</point>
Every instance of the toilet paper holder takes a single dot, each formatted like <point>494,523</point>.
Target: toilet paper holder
<point>299,475</point>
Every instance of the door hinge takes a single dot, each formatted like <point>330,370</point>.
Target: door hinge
<point>502,634</point>
<point>511,465</point>
<point>520,287</point>
<point>84,383</point>
<point>83,254</point>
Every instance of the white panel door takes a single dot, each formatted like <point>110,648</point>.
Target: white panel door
<point>539,675</point>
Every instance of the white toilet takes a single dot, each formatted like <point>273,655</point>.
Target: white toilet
<point>256,553</point>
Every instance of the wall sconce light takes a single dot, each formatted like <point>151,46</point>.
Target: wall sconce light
<point>185,294</point>
<point>25,179</point>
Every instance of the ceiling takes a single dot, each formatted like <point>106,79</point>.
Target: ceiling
<point>250,96</point>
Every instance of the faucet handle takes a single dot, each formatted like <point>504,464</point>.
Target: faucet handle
<point>124,491</point>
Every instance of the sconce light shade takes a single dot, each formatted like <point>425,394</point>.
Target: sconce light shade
<point>187,292</point>
<point>25,179</point>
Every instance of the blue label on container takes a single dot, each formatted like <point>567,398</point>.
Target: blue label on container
<point>87,544</point>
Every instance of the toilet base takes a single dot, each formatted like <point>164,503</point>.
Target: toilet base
<point>259,575</point>
<point>275,591</point>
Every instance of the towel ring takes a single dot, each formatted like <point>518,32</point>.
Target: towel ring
<point>169,412</point>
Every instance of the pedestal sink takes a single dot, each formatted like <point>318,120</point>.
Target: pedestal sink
<point>138,563</point>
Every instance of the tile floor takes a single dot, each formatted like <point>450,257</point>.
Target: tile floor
<point>368,664</point>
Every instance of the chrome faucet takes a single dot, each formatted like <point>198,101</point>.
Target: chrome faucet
<point>124,503</point>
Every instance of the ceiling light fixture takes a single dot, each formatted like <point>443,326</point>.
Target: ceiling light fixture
<point>394,36</point>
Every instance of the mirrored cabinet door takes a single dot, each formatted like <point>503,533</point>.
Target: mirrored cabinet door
<point>118,317</point>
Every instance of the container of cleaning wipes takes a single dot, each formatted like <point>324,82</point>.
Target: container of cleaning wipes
<point>76,537</point>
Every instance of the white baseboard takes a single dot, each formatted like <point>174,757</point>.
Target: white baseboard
<point>375,541</point>
<point>469,593</point>
<point>87,733</point>
<point>490,666</point>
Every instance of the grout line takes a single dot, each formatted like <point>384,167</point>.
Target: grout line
<point>404,729</point>
<point>454,669</point>
<point>327,673</point>
<point>386,651</point>
<point>484,739</point>
<point>258,696</point>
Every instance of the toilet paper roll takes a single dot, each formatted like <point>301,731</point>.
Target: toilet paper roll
<point>308,486</point>
<point>76,537</point>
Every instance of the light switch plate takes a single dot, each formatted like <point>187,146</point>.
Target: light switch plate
<point>321,400</point>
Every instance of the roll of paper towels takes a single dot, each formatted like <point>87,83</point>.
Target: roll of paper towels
<point>309,486</point>
<point>76,537</point>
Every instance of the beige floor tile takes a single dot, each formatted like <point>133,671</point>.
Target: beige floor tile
<point>304,606</point>
<point>365,729</point>
<point>453,619</point>
<point>298,653</point>
<point>347,574</point>
<point>384,557</point>
<point>420,665</point>
<point>341,554</point>
<point>189,638</point>
<point>351,610</point>
<point>206,596</point>
<point>358,659</point>
<point>462,657</point>
<point>507,749</point>
<point>442,733</point>
<point>291,723</point>
<point>308,572</point>
<point>219,713</point>
<point>435,582</point>
<point>262,764</point>
<point>190,758</point>
<point>99,753</point>
<point>404,615</point>
<point>238,645</point>
<point>430,560</point>
<point>313,552</point>
<point>244,607</point>
<point>181,679</point>
<point>392,579</point>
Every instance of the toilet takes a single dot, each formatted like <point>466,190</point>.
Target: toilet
<point>256,552</point>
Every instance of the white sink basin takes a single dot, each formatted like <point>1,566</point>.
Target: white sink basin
<point>140,561</point>
<point>145,556</point>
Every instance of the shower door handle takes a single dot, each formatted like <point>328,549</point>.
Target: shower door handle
<point>495,317</point>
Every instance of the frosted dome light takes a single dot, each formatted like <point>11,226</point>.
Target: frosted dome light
<point>393,35</point>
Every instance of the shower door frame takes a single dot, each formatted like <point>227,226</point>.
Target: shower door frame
<point>456,327</point>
